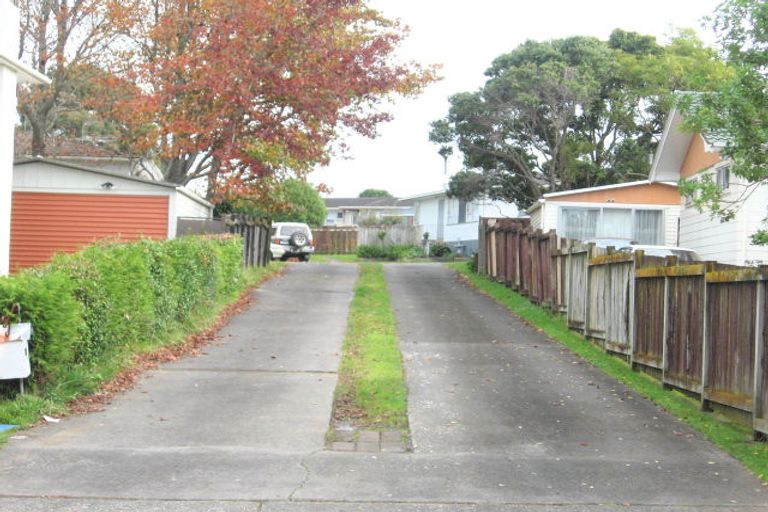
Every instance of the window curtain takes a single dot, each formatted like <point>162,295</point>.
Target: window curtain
<point>648,227</point>
<point>616,223</point>
<point>580,223</point>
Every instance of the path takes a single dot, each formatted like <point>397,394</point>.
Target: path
<point>502,419</point>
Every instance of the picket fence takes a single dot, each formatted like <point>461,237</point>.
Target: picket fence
<point>698,327</point>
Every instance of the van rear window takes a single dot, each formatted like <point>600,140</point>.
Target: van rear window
<point>289,230</point>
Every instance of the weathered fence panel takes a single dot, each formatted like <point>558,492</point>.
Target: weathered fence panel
<point>649,321</point>
<point>731,349</point>
<point>578,264</point>
<point>684,340</point>
<point>256,240</point>
<point>335,240</point>
<point>398,234</point>
<point>761,362</point>
<point>700,326</point>
<point>619,308</point>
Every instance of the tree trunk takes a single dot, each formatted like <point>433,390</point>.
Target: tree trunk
<point>38,140</point>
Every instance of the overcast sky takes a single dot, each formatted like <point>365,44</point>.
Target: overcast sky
<point>465,37</point>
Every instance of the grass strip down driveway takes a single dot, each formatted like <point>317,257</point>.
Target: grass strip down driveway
<point>732,437</point>
<point>371,391</point>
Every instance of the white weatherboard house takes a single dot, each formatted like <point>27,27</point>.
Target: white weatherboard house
<point>11,73</point>
<point>349,211</point>
<point>692,156</point>
<point>455,221</point>
<point>641,211</point>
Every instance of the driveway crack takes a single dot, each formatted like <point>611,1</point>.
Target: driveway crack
<point>307,473</point>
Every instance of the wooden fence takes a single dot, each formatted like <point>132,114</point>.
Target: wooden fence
<point>255,234</point>
<point>699,327</point>
<point>343,240</point>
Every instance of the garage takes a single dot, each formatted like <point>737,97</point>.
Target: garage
<point>58,207</point>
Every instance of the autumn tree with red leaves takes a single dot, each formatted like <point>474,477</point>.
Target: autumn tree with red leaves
<point>67,40</point>
<point>248,92</point>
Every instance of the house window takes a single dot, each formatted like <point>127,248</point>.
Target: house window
<point>462,212</point>
<point>452,211</point>
<point>340,215</point>
<point>724,177</point>
<point>579,223</point>
<point>648,227</point>
<point>642,226</point>
<point>471,212</point>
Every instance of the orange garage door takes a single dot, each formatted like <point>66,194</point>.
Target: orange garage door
<point>44,224</point>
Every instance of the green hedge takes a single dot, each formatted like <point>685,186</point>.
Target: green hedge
<point>389,252</point>
<point>92,309</point>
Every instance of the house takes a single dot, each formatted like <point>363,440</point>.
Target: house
<point>99,153</point>
<point>11,73</point>
<point>642,211</point>
<point>350,211</point>
<point>61,207</point>
<point>455,221</point>
<point>686,155</point>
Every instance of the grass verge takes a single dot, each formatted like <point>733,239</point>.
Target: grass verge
<point>371,391</point>
<point>122,370</point>
<point>732,437</point>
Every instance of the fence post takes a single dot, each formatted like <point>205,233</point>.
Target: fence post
<point>637,261</point>
<point>757,405</point>
<point>706,341</point>
<point>588,288</point>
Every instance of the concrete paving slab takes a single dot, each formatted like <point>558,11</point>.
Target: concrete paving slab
<point>486,478</point>
<point>503,404</point>
<point>160,474</point>
<point>275,413</point>
<point>464,507</point>
<point>222,426</point>
<point>80,505</point>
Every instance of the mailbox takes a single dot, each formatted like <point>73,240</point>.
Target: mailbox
<point>14,352</point>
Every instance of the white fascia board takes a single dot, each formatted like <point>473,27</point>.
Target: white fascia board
<point>605,187</point>
<point>24,73</point>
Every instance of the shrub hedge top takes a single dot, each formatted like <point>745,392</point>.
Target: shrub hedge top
<point>87,307</point>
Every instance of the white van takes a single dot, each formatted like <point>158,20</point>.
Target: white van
<point>291,240</point>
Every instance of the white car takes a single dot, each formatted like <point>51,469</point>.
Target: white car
<point>291,240</point>
<point>662,251</point>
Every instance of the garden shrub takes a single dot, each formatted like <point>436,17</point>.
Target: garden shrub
<point>439,249</point>
<point>388,252</point>
<point>92,308</point>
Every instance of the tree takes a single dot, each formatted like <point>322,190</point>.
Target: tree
<point>737,111</point>
<point>294,201</point>
<point>249,92</point>
<point>569,113</point>
<point>302,203</point>
<point>375,192</point>
<point>65,40</point>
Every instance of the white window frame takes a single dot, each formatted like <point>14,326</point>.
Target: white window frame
<point>633,208</point>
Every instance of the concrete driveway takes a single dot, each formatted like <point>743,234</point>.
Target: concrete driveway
<point>502,421</point>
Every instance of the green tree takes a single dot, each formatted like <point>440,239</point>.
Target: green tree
<point>374,192</point>
<point>302,203</point>
<point>737,112</point>
<point>570,113</point>
<point>293,200</point>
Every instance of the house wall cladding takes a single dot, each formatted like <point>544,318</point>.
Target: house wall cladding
<point>43,223</point>
<point>699,326</point>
